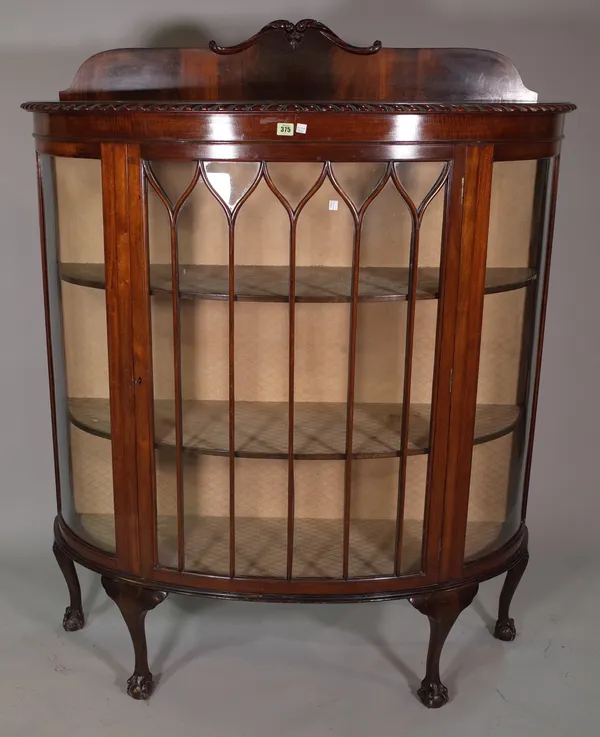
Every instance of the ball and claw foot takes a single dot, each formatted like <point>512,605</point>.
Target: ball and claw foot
<point>73,619</point>
<point>442,608</point>
<point>135,602</point>
<point>505,625</point>
<point>140,687</point>
<point>433,695</point>
<point>505,630</point>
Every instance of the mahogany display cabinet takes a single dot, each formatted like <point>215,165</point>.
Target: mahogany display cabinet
<point>295,294</point>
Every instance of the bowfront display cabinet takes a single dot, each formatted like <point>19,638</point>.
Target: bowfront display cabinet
<point>295,294</point>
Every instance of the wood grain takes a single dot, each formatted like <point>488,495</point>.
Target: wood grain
<point>118,242</point>
<point>478,163</point>
<point>320,67</point>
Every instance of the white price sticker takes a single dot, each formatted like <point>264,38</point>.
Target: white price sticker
<point>301,127</point>
<point>333,204</point>
<point>285,129</point>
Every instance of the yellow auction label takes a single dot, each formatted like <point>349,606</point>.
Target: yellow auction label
<point>285,129</point>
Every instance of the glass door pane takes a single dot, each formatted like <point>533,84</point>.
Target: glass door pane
<point>72,190</point>
<point>401,239</point>
<point>510,332</point>
<point>282,447</point>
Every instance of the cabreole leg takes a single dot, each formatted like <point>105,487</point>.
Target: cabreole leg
<point>135,602</point>
<point>505,625</point>
<point>73,619</point>
<point>442,610</point>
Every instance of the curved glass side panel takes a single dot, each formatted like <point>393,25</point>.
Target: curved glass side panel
<point>75,273</point>
<point>518,235</point>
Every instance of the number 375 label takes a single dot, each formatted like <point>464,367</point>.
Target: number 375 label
<point>287,129</point>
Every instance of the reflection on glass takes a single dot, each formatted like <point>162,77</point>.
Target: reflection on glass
<point>294,180</point>
<point>220,182</point>
<point>72,190</point>
<point>358,180</point>
<point>231,180</point>
<point>418,178</point>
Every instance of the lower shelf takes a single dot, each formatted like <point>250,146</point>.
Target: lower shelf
<point>261,545</point>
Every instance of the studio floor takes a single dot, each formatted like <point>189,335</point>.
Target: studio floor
<point>233,669</point>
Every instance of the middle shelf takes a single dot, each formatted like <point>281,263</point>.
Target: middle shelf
<point>319,427</point>
<point>312,284</point>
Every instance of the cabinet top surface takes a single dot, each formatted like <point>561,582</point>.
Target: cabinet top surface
<point>302,67</point>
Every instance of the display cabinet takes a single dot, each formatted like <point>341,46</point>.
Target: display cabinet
<point>295,294</point>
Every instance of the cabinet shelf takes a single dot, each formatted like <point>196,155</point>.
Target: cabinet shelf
<point>313,283</point>
<point>320,427</point>
<point>261,544</point>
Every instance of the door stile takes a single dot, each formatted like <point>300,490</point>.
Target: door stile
<point>142,363</point>
<point>120,241</point>
<point>470,284</point>
<point>440,409</point>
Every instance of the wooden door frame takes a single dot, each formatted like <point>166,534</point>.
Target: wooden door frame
<point>121,189</point>
<point>469,278</point>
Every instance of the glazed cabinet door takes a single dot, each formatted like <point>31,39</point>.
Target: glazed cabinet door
<point>294,323</point>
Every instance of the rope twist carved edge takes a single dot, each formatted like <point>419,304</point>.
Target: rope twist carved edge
<point>111,107</point>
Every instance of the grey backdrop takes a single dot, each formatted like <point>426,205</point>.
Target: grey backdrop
<point>554,43</point>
